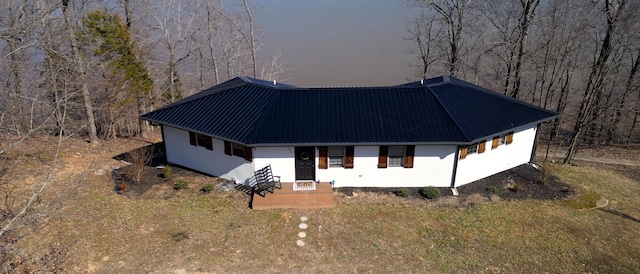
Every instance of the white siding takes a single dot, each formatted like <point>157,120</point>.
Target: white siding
<point>215,162</point>
<point>432,166</point>
<point>492,161</point>
<point>281,159</point>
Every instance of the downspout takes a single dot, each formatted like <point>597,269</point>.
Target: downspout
<point>535,145</point>
<point>164,144</point>
<point>455,170</point>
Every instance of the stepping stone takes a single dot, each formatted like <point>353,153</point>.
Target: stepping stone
<point>304,218</point>
<point>602,203</point>
<point>300,243</point>
<point>302,234</point>
<point>303,226</point>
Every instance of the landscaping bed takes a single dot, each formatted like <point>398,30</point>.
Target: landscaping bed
<point>522,182</point>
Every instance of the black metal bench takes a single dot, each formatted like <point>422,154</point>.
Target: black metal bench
<point>264,181</point>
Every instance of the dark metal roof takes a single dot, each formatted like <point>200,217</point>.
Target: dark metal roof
<point>437,110</point>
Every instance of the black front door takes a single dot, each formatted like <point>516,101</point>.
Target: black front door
<point>305,163</point>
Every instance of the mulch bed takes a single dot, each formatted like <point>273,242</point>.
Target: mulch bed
<point>522,182</point>
<point>153,183</point>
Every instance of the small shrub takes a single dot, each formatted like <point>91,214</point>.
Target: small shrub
<point>181,185</point>
<point>167,172</point>
<point>121,188</point>
<point>403,192</point>
<point>586,200</point>
<point>180,236</point>
<point>431,192</point>
<point>207,188</point>
<point>515,187</point>
<point>544,176</point>
<point>138,158</point>
<point>492,189</point>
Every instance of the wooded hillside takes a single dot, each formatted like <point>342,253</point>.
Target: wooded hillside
<point>577,57</point>
<point>91,67</point>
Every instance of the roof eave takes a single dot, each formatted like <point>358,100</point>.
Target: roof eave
<point>537,122</point>
<point>362,143</point>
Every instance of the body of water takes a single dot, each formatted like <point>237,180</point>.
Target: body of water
<point>338,42</point>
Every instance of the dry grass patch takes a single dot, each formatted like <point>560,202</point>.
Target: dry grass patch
<point>586,200</point>
<point>216,232</point>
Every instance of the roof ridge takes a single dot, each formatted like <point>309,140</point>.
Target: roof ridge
<point>259,123</point>
<point>465,84</point>
<point>448,113</point>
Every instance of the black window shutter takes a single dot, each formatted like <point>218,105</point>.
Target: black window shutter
<point>192,138</point>
<point>248,154</point>
<point>208,144</point>
<point>227,147</point>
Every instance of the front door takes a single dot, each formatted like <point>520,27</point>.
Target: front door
<point>305,163</point>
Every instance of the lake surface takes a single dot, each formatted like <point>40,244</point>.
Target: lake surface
<point>338,42</point>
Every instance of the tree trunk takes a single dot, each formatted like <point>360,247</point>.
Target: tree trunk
<point>127,14</point>
<point>211,31</point>
<point>595,78</point>
<point>252,38</point>
<point>635,120</point>
<point>452,11</point>
<point>528,11</point>
<point>142,110</point>
<point>20,118</point>
<point>88,105</point>
<point>621,104</point>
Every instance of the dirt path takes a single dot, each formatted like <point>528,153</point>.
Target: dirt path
<point>578,157</point>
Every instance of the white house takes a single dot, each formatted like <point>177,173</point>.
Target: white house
<point>441,132</point>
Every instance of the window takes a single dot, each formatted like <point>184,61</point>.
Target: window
<point>472,149</point>
<point>396,155</point>
<point>341,156</point>
<point>238,149</point>
<point>201,140</point>
<point>502,140</point>
<point>506,139</point>
<point>336,156</point>
<point>233,149</point>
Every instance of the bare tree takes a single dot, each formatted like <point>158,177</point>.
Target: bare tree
<point>86,97</point>
<point>452,12</point>
<point>612,11</point>
<point>424,34</point>
<point>212,29</point>
<point>175,26</point>
<point>528,11</point>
